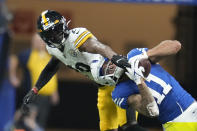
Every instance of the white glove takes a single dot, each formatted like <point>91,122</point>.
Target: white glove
<point>139,57</point>
<point>135,72</point>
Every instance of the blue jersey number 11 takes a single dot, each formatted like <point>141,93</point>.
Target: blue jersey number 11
<point>166,88</point>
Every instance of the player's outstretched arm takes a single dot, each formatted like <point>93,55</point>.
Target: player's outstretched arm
<point>94,46</point>
<point>144,102</point>
<point>48,72</point>
<point>163,49</point>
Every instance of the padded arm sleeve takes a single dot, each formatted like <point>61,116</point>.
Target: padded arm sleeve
<point>48,72</point>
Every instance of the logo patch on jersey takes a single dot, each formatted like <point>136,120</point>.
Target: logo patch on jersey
<point>72,53</point>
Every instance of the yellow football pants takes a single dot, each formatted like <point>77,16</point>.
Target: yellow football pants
<point>111,116</point>
<point>180,126</point>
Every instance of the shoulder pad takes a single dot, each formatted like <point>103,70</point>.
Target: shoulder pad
<point>79,36</point>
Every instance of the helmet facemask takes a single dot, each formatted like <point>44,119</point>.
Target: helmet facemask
<point>111,73</point>
<point>106,73</point>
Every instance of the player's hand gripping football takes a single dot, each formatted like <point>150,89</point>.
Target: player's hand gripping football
<point>140,67</point>
<point>135,73</point>
<point>29,98</point>
<point>120,61</point>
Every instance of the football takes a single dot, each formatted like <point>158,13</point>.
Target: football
<point>147,66</point>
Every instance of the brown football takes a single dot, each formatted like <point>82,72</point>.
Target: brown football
<point>147,66</point>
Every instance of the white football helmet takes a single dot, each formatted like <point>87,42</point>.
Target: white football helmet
<point>100,71</point>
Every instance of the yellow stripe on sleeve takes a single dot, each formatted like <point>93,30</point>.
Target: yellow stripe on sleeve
<point>82,38</point>
<point>76,41</point>
<point>89,35</point>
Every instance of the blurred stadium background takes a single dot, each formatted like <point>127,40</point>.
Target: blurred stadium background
<point>123,24</point>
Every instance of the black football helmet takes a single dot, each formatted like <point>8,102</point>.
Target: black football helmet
<point>52,28</point>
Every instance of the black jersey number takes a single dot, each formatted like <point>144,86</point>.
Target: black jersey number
<point>82,67</point>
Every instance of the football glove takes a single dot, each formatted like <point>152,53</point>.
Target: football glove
<point>29,98</point>
<point>120,61</point>
<point>135,72</point>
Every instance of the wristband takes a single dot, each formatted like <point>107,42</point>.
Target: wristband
<point>35,90</point>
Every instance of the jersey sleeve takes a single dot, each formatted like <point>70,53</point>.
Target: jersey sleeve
<point>136,51</point>
<point>84,34</point>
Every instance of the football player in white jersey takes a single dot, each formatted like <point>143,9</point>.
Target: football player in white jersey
<point>76,48</point>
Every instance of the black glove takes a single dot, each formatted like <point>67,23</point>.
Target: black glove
<point>29,98</point>
<point>120,61</point>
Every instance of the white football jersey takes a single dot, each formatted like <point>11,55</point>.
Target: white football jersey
<point>71,56</point>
